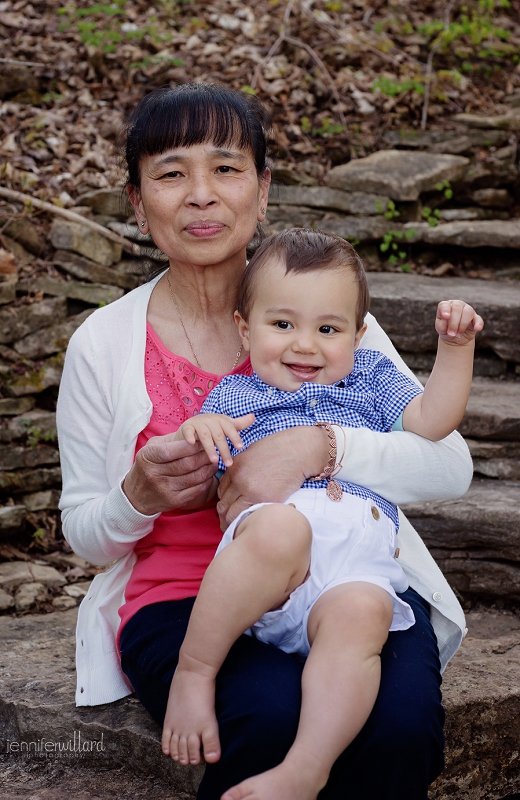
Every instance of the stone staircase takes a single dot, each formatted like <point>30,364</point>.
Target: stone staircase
<point>475,539</point>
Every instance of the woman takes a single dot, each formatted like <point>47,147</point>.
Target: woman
<point>134,371</point>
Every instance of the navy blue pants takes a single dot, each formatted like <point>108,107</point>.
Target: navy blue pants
<point>258,694</point>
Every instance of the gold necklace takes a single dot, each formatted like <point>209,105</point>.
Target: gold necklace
<point>186,332</point>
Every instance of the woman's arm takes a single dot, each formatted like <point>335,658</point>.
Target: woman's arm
<point>99,521</point>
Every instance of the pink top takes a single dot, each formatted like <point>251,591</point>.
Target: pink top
<point>174,556</point>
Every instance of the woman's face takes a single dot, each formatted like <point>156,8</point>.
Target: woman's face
<point>201,203</point>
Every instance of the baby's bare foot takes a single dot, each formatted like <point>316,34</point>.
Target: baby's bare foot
<point>288,780</point>
<point>190,720</point>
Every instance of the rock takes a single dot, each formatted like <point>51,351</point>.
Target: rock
<point>28,481</point>
<point>37,700</point>
<point>11,406</point>
<point>61,603</point>
<point>482,366</point>
<point>485,233</point>
<point>26,595</point>
<point>290,177</point>
<point>359,229</point>
<point>323,197</point>
<point>72,561</point>
<point>481,694</point>
<point>112,202</point>
<point>36,380</point>
<point>66,235</point>
<point>50,340</point>
<point>38,422</point>
<point>405,306</point>
<point>6,600</point>
<point>397,174</point>
<point>12,520</point>
<point>506,122</point>
<point>492,198</point>
<point>129,231</point>
<point>493,411</point>
<point>14,573</point>
<point>133,266</point>
<point>15,323</point>
<point>475,539</point>
<point>447,142</point>
<point>77,589</point>
<point>282,217</point>
<point>487,175</point>
<point>7,293</point>
<point>94,293</point>
<point>42,501</point>
<point>460,214</point>
<point>505,469</point>
<point>20,457</point>
<point>17,78</point>
<point>25,232</point>
<point>87,270</point>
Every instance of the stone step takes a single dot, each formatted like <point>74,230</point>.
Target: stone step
<point>475,539</point>
<point>493,411</point>
<point>405,306</point>
<point>481,694</point>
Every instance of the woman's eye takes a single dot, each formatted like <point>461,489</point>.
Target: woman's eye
<point>224,169</point>
<point>172,174</point>
<point>283,325</point>
<point>327,329</point>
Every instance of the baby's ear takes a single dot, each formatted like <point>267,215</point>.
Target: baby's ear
<point>359,335</point>
<point>243,331</point>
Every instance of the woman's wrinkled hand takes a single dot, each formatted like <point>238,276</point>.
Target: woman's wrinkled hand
<point>271,469</point>
<point>168,474</point>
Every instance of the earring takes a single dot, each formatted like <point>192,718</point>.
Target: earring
<point>262,210</point>
<point>143,223</point>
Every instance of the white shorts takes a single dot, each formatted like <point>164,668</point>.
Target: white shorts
<point>353,540</point>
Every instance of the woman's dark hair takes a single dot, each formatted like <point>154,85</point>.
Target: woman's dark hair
<point>194,113</point>
<point>303,250</point>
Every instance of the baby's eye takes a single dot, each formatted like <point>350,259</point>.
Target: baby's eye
<point>327,329</point>
<point>283,324</point>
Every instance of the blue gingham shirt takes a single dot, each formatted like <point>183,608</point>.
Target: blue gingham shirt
<point>372,396</point>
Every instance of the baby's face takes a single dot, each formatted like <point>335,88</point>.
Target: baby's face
<point>302,326</point>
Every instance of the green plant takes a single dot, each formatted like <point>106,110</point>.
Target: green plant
<point>393,87</point>
<point>473,26</point>
<point>445,188</point>
<point>431,217</point>
<point>392,244</point>
<point>38,534</point>
<point>35,435</point>
<point>327,128</point>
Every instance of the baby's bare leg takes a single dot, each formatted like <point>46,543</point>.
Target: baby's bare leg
<point>267,560</point>
<point>347,628</point>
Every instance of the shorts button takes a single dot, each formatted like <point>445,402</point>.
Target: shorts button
<point>396,554</point>
<point>437,596</point>
<point>375,512</point>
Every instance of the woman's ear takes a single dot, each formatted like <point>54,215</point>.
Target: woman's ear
<point>359,335</point>
<point>134,195</point>
<point>263,195</point>
<point>243,331</point>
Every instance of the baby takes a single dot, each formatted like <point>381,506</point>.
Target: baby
<point>317,576</point>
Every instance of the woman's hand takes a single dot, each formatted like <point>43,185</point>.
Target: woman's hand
<point>271,470</point>
<point>168,474</point>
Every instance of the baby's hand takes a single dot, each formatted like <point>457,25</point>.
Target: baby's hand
<point>212,429</point>
<point>457,322</point>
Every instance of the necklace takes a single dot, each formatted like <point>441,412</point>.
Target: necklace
<point>186,332</point>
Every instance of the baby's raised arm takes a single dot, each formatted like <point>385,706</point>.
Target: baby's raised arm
<point>213,430</point>
<point>439,410</point>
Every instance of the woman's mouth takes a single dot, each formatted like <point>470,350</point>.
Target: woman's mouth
<point>303,372</point>
<point>204,228</point>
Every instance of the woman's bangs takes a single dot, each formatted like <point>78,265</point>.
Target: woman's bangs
<point>191,120</point>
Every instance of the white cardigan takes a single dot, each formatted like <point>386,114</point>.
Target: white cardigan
<point>103,405</point>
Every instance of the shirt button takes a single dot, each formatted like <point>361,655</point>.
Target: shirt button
<point>82,690</point>
<point>375,512</point>
<point>269,391</point>
<point>313,402</point>
<point>437,596</point>
<point>465,633</point>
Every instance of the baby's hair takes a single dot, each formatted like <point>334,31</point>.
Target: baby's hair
<point>303,250</point>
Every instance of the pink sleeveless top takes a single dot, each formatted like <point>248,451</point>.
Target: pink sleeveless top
<point>173,557</point>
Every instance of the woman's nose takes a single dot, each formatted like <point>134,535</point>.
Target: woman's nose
<point>201,192</point>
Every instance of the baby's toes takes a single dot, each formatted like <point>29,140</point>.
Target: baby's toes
<point>174,747</point>
<point>184,757</point>
<point>211,744</point>
<point>194,748</point>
